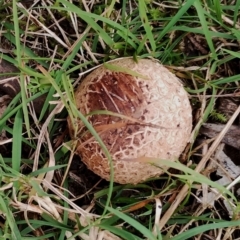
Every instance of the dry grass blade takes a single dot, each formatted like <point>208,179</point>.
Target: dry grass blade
<point>79,210</point>
<point>49,175</point>
<point>51,33</point>
<point>43,134</point>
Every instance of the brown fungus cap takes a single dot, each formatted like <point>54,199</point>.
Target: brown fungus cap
<point>160,124</point>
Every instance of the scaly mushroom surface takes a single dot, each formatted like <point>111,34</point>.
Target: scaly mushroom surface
<point>158,105</point>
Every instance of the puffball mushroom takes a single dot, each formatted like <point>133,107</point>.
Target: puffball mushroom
<point>153,118</point>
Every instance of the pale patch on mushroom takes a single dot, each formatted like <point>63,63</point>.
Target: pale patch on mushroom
<point>156,99</point>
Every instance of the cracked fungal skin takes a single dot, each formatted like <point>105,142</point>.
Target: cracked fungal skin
<point>159,106</point>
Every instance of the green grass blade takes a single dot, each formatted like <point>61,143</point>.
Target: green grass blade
<point>9,219</point>
<point>201,229</point>
<point>19,55</point>
<point>143,230</point>
<point>218,82</point>
<point>204,25</point>
<point>17,142</point>
<point>235,54</point>
<point>120,232</point>
<point>212,34</point>
<point>49,221</point>
<point>141,45</point>
<point>218,10</point>
<point>146,25</point>
<point>46,169</point>
<point>175,19</point>
<point>236,11</point>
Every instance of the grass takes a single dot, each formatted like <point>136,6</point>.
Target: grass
<point>46,192</point>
